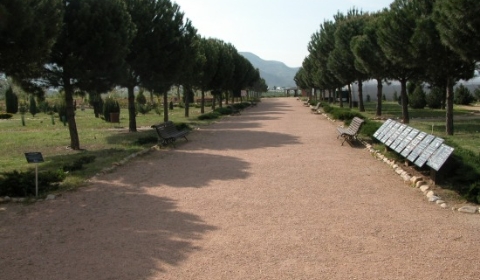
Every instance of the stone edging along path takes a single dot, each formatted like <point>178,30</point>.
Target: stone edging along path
<point>415,181</point>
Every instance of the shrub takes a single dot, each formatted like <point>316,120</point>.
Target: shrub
<point>78,163</point>
<point>33,106</point>
<point>110,105</point>
<point>434,98</point>
<point>209,116</point>
<point>224,110</point>
<point>11,101</point>
<point>463,96</point>
<point>417,98</point>
<point>370,127</point>
<point>395,96</point>
<point>141,99</point>
<point>476,93</point>
<point>22,184</point>
<point>5,116</point>
<point>143,108</point>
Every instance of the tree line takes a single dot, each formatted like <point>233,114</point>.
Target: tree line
<point>91,46</point>
<point>417,41</point>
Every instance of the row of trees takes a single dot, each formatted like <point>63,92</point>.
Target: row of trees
<point>91,46</point>
<point>431,41</point>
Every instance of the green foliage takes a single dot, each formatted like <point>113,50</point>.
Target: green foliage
<point>44,107</point>
<point>61,108</point>
<point>209,116</point>
<point>369,128</point>
<point>368,98</point>
<point>464,173</point>
<point>5,116</point>
<point>343,114</point>
<point>224,110</point>
<point>33,106</point>
<point>395,96</point>
<point>417,98</point>
<point>110,105</point>
<point>463,96</point>
<point>476,93</point>
<point>78,163</point>
<point>11,101</point>
<point>143,108</point>
<point>22,184</point>
<point>141,99</point>
<point>434,98</point>
<point>170,105</point>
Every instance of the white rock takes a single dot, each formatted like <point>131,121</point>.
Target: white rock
<point>7,199</point>
<point>433,198</point>
<point>443,205</point>
<point>50,197</point>
<point>424,188</point>
<point>440,201</point>
<point>468,209</point>
<point>419,184</point>
<point>430,194</point>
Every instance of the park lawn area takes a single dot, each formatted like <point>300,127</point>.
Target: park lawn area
<point>466,122</point>
<point>108,142</point>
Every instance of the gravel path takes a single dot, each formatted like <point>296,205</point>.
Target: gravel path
<point>270,194</point>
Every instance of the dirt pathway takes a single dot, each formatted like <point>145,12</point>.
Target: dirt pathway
<point>270,194</point>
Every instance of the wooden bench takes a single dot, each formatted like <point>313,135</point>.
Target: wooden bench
<point>316,108</point>
<point>350,133</point>
<point>168,133</point>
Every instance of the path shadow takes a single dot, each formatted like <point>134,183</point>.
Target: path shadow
<point>103,232</point>
<point>181,168</point>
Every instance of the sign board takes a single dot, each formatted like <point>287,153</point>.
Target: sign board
<point>420,147</point>
<point>381,130</point>
<point>34,157</point>
<point>413,139</point>
<point>402,141</point>
<point>431,148</point>
<point>389,134</point>
<point>243,93</point>
<point>396,135</point>
<point>440,157</point>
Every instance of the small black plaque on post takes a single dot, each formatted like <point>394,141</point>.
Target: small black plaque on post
<point>34,157</point>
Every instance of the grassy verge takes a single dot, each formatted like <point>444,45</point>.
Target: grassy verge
<point>107,143</point>
<point>463,172</point>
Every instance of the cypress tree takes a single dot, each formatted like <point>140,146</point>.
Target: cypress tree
<point>11,101</point>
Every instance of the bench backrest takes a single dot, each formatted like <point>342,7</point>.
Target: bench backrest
<point>166,129</point>
<point>355,125</point>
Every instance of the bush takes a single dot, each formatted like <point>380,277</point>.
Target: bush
<point>22,184</point>
<point>224,110</point>
<point>434,98</point>
<point>78,163</point>
<point>417,98</point>
<point>476,92</point>
<point>141,99</point>
<point>11,101</point>
<point>110,105</point>
<point>369,128</point>
<point>395,96</point>
<point>33,106</point>
<point>5,116</point>
<point>209,116</point>
<point>143,108</point>
<point>463,96</point>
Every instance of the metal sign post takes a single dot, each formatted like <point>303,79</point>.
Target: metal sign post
<point>35,157</point>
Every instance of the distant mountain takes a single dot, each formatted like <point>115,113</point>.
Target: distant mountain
<point>275,73</point>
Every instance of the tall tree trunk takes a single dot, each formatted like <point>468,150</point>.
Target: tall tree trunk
<point>132,121</point>
<point>361,107</point>
<point>187,93</point>
<point>379,97</point>
<point>165,107</point>
<point>449,107</point>
<point>350,96</point>
<point>405,116</point>
<point>72,125</point>
<point>202,106</point>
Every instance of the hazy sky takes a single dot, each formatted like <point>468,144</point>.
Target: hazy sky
<point>272,29</point>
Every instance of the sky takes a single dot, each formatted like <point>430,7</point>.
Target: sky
<point>272,29</point>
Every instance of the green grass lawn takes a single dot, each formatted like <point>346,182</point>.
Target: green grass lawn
<point>108,142</point>
<point>466,122</point>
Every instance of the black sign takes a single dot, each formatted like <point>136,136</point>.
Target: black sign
<point>440,157</point>
<point>34,157</point>
<point>432,147</point>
